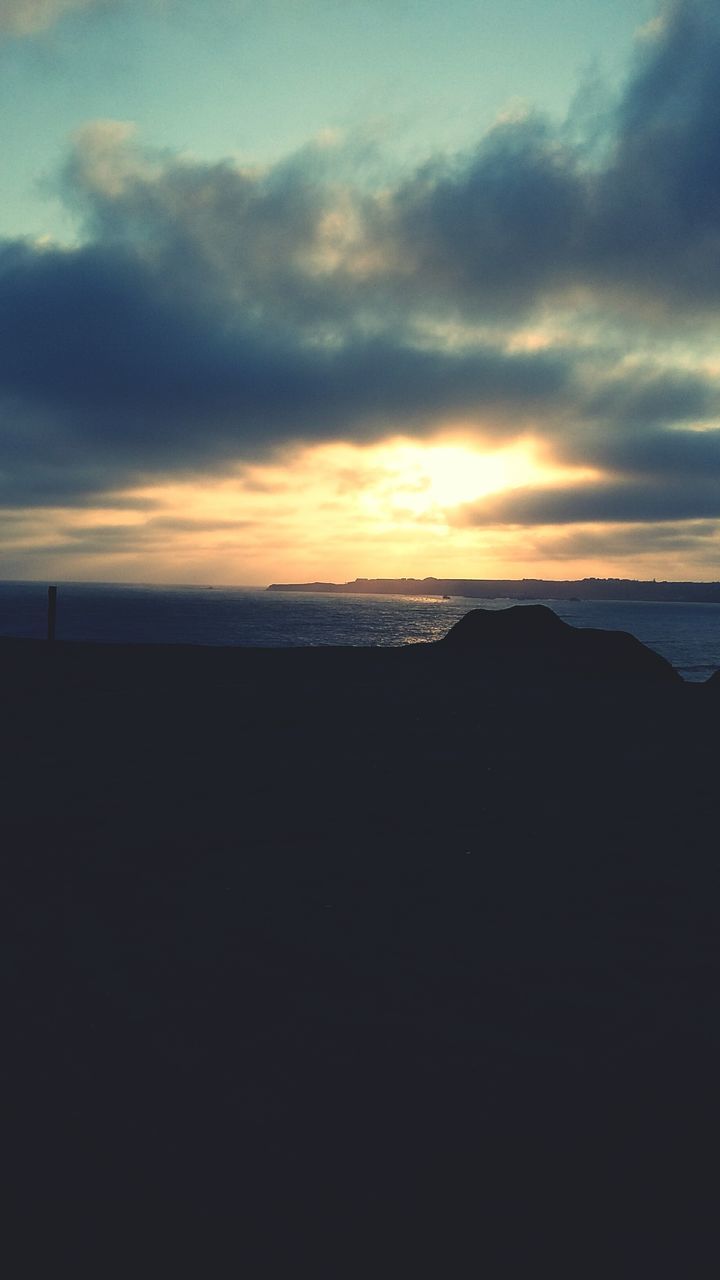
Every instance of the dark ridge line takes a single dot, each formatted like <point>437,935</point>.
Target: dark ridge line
<point>621,589</point>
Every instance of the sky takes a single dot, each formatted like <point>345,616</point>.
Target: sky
<point>318,289</point>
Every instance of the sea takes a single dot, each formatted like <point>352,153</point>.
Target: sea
<point>688,635</point>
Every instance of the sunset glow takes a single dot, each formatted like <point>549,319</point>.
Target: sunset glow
<point>332,511</point>
<point>340,290</point>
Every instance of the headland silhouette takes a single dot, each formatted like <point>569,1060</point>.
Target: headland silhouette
<point>520,588</point>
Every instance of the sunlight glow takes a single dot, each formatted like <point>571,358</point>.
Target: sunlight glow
<point>395,482</point>
<point>422,479</point>
<point>339,511</point>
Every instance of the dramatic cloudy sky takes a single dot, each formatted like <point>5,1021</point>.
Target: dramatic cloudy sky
<point>325,288</point>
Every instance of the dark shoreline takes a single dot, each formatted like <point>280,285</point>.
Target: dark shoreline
<point>356,936</point>
<point>608,589</point>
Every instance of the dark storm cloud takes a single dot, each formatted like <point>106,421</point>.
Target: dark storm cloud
<point>104,372</point>
<point>93,328</point>
<point>612,502</point>
<point>215,313</point>
<point>658,540</point>
<point>527,216</point>
<point>495,232</point>
<point>657,208</point>
<point>660,427</point>
<point>651,399</point>
<point>660,455</point>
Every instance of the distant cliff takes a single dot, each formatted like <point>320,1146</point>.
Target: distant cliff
<point>519,588</point>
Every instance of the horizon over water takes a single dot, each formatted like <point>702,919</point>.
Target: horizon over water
<point>687,634</point>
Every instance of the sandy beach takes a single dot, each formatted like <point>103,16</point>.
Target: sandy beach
<point>375,943</point>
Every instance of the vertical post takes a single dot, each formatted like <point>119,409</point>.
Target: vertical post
<point>52,608</point>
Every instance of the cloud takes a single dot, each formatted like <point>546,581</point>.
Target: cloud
<point>28,17</point>
<point>536,215</point>
<point>529,217</point>
<point>213,313</point>
<point>491,232</point>
<point>656,206</point>
<point>644,399</point>
<point>615,501</point>
<point>106,373</point>
<point>672,551</point>
<point>632,541</point>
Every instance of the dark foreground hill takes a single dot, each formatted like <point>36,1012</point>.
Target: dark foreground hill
<point>527,639</point>
<point>386,958</point>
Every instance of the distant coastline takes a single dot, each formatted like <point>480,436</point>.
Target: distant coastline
<point>520,588</point>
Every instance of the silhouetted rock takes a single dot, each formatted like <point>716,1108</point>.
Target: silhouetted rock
<point>536,637</point>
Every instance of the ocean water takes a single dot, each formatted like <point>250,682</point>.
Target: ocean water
<point>688,635</point>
